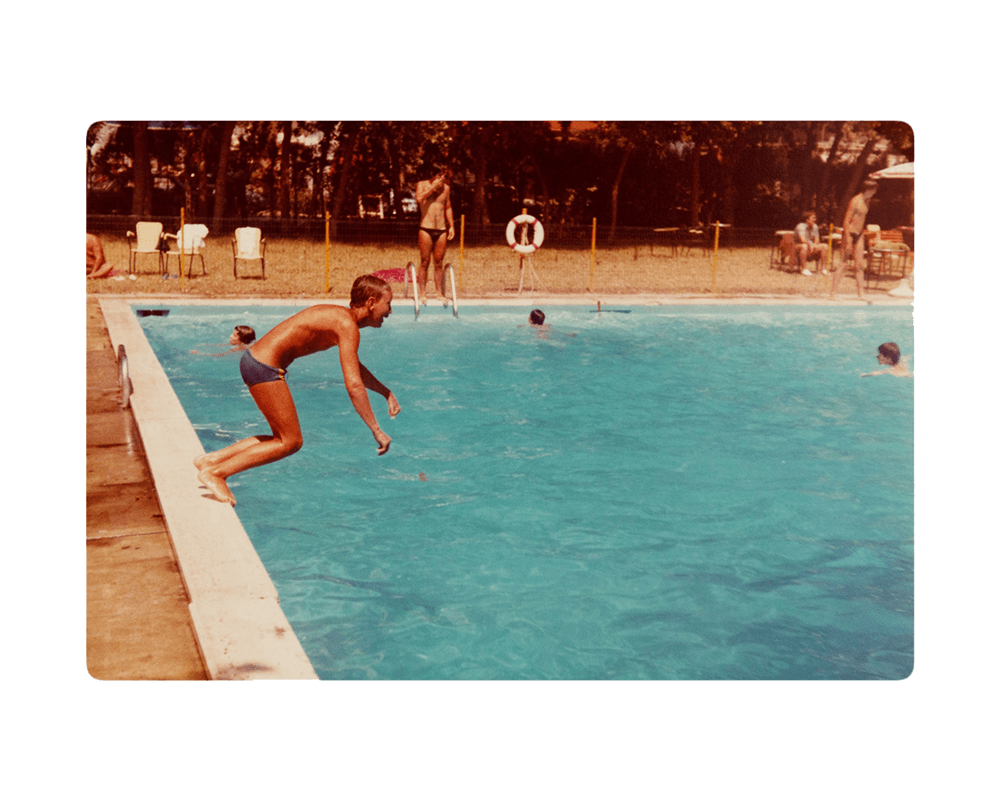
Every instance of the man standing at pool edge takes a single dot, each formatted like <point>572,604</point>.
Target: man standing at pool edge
<point>853,243</point>
<point>263,368</point>
<point>437,228</point>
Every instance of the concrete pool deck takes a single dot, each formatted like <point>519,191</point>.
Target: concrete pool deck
<point>199,561</point>
<point>175,590</point>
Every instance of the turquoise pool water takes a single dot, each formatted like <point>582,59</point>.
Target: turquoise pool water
<point>673,493</point>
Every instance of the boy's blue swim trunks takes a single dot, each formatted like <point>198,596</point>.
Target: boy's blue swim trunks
<point>253,372</point>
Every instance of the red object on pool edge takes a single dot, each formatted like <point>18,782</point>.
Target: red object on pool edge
<point>391,275</point>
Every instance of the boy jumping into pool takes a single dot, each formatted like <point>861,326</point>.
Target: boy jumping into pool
<point>263,368</point>
<point>888,354</point>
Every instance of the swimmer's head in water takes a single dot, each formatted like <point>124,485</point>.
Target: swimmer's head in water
<point>536,317</point>
<point>244,334</point>
<point>889,350</point>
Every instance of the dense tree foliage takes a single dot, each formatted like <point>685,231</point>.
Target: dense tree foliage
<point>630,173</point>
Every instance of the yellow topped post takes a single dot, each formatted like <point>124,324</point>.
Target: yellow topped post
<point>593,250</point>
<point>715,255</point>
<point>180,245</point>
<point>461,251</point>
<point>829,250</point>
<point>327,252</point>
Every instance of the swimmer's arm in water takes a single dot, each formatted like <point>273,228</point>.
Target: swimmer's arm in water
<point>899,373</point>
<point>357,387</point>
<point>900,370</point>
<point>225,353</point>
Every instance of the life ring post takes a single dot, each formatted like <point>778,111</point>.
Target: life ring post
<point>538,234</point>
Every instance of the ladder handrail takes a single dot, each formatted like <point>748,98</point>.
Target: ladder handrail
<point>454,295</point>
<point>411,273</point>
<point>124,381</point>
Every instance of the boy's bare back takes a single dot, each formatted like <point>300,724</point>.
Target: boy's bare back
<point>310,331</point>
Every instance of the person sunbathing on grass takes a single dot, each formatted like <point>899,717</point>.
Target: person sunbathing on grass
<point>263,368</point>
<point>97,266</point>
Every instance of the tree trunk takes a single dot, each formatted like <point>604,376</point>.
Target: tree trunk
<point>395,173</point>
<point>856,175</point>
<point>270,180</point>
<point>480,212</point>
<point>201,172</point>
<point>824,181</point>
<point>286,170</point>
<point>614,190</point>
<point>348,143</point>
<point>808,183</point>
<point>696,186</point>
<point>219,206</point>
<point>543,184</point>
<point>142,183</point>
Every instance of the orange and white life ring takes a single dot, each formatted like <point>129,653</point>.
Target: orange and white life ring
<point>536,240</point>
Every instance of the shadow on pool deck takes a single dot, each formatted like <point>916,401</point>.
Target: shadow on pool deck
<point>138,624</point>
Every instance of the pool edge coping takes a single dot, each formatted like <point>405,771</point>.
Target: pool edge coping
<point>535,298</point>
<point>240,627</point>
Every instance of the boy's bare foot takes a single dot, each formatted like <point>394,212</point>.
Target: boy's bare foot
<point>217,486</point>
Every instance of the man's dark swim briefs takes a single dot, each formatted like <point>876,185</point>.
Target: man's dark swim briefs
<point>434,233</point>
<point>254,372</point>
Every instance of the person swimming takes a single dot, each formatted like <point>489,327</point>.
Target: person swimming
<point>889,356</point>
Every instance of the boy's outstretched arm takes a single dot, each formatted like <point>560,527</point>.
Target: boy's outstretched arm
<point>357,389</point>
<point>373,383</point>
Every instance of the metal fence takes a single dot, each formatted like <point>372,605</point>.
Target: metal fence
<point>573,258</point>
<point>385,232</point>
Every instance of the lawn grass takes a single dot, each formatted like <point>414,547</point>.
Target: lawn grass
<point>297,268</point>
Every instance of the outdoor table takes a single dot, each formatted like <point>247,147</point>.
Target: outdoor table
<point>671,239</point>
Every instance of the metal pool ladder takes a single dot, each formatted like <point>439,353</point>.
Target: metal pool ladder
<point>410,275</point>
<point>124,381</point>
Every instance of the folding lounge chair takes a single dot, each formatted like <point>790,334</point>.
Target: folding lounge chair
<point>192,238</point>
<point>248,246</point>
<point>784,256</point>
<point>147,237</point>
<point>883,258</point>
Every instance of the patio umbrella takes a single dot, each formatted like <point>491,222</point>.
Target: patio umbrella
<point>898,172</point>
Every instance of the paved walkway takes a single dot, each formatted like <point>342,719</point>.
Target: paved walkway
<point>138,624</point>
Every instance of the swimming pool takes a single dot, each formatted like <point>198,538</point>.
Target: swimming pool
<point>680,492</point>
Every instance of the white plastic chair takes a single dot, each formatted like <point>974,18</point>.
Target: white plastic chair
<point>248,246</point>
<point>192,239</point>
<point>147,237</point>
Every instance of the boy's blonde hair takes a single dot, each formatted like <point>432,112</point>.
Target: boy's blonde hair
<point>365,287</point>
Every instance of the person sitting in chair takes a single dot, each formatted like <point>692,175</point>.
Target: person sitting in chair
<point>808,246</point>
